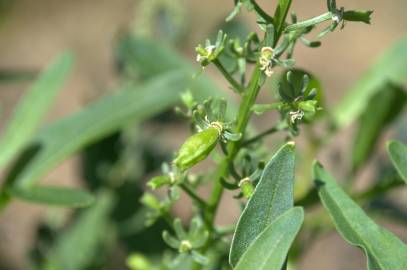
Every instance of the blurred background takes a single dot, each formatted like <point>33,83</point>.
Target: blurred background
<point>33,32</point>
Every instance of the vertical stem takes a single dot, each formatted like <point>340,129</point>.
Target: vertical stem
<point>249,98</point>
<point>235,85</point>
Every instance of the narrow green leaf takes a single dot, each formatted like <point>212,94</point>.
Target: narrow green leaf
<point>398,155</point>
<point>15,76</point>
<point>150,58</point>
<point>383,108</point>
<point>272,197</point>
<point>76,246</point>
<point>383,249</point>
<point>281,15</point>
<point>61,139</point>
<point>391,67</point>
<point>358,16</point>
<point>54,196</point>
<point>269,250</point>
<point>33,107</point>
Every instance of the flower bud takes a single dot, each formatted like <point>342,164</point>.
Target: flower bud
<point>246,187</point>
<point>184,246</point>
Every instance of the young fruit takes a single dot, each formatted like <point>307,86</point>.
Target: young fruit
<point>197,147</point>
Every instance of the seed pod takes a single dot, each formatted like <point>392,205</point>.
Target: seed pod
<point>197,147</point>
<point>246,187</point>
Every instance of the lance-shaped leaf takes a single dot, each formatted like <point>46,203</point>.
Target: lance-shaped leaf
<point>54,196</point>
<point>33,107</point>
<point>383,249</point>
<point>383,109</point>
<point>16,76</point>
<point>280,15</point>
<point>57,141</point>
<point>391,67</point>
<point>398,155</point>
<point>272,197</point>
<point>269,250</point>
<point>79,243</point>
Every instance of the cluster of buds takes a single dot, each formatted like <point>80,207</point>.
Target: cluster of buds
<point>210,52</point>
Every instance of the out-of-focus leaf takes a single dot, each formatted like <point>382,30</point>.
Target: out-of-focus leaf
<point>61,139</point>
<point>383,108</point>
<point>12,76</point>
<point>398,155</point>
<point>33,107</point>
<point>149,58</point>
<point>77,245</point>
<point>269,250</point>
<point>391,67</point>
<point>383,249</point>
<point>54,196</point>
<point>272,197</point>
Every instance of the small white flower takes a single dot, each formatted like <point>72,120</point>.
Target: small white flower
<point>337,17</point>
<point>296,115</point>
<point>266,63</point>
<point>209,50</point>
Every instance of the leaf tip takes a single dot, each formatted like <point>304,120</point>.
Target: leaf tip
<point>390,144</point>
<point>299,210</point>
<point>316,164</point>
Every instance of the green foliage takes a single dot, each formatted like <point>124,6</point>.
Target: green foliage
<point>391,68</point>
<point>272,197</point>
<point>85,235</point>
<point>33,107</point>
<point>383,108</point>
<point>118,153</point>
<point>280,15</point>
<point>96,121</point>
<point>269,249</point>
<point>383,249</point>
<point>54,196</point>
<point>398,155</point>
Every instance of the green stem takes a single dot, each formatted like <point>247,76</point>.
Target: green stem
<point>261,12</point>
<point>263,134</point>
<point>194,196</point>
<point>249,98</point>
<point>310,22</point>
<point>236,86</point>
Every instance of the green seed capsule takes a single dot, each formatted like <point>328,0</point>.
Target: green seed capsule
<point>246,187</point>
<point>197,147</point>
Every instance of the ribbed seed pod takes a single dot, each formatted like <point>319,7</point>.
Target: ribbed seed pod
<point>197,147</point>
